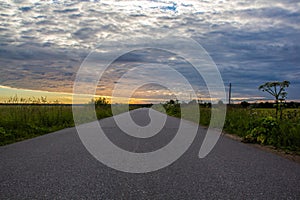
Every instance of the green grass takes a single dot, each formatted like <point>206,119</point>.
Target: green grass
<point>263,127</point>
<point>254,125</point>
<point>20,122</point>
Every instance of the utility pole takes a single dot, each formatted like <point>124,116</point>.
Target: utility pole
<point>229,95</point>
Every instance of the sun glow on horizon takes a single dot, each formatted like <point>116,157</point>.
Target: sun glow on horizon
<point>51,97</point>
<point>66,98</point>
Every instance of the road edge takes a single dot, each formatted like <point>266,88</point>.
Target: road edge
<point>268,148</point>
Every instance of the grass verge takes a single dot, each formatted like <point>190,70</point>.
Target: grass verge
<point>20,122</point>
<point>253,125</point>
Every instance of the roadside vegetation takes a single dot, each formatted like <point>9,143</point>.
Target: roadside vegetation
<point>22,118</point>
<point>261,125</point>
<point>254,123</point>
<point>19,122</point>
<point>276,124</point>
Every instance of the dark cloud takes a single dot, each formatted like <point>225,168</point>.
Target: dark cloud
<point>84,33</point>
<point>25,9</point>
<point>33,67</point>
<point>68,10</point>
<point>251,42</point>
<point>254,57</point>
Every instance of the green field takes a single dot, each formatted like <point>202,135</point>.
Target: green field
<point>253,125</point>
<point>263,127</point>
<point>20,121</point>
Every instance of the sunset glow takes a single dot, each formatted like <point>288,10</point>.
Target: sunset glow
<point>44,43</point>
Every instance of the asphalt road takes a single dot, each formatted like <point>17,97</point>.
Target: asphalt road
<point>57,166</point>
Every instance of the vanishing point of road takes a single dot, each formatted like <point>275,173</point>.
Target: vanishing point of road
<point>57,166</point>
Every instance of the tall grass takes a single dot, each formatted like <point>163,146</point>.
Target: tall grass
<point>255,125</point>
<point>19,122</point>
<point>263,127</point>
<point>22,121</point>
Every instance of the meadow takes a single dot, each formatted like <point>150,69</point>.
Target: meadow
<point>253,125</point>
<point>22,118</point>
<point>19,122</point>
<point>262,126</point>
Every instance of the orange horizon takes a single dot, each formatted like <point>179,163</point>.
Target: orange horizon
<point>67,98</point>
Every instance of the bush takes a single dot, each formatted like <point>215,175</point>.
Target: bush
<point>265,131</point>
<point>172,108</point>
<point>272,131</point>
<point>254,125</point>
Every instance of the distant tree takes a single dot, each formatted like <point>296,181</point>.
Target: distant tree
<point>220,102</point>
<point>268,105</point>
<point>292,104</point>
<point>277,90</point>
<point>245,104</point>
<point>172,102</point>
<point>99,101</point>
<point>193,102</point>
<point>172,107</point>
<point>206,104</point>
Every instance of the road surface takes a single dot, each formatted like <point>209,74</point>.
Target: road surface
<point>57,166</point>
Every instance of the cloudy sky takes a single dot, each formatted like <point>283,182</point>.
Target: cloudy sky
<point>44,43</point>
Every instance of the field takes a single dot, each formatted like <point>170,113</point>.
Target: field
<point>253,125</point>
<point>19,122</point>
<point>263,127</point>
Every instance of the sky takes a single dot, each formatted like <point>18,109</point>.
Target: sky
<point>43,44</point>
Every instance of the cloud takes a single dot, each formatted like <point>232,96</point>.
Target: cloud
<point>33,67</point>
<point>42,43</point>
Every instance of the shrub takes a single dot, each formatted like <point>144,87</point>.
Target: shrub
<point>265,131</point>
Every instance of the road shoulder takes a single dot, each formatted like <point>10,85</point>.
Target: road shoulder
<point>285,154</point>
